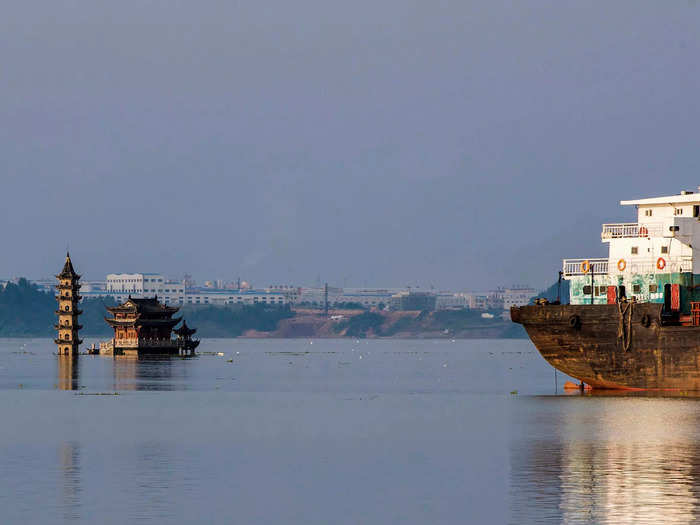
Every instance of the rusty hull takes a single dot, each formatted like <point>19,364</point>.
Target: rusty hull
<point>584,341</point>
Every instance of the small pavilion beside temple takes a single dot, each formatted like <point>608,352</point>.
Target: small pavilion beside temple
<point>144,327</point>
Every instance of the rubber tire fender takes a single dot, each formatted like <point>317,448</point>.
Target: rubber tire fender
<point>646,320</point>
<point>574,321</point>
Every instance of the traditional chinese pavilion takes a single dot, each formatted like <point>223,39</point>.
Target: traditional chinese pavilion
<point>144,327</point>
<point>184,337</point>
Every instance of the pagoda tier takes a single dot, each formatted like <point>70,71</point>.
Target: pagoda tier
<point>62,341</point>
<point>74,287</point>
<point>146,323</point>
<point>185,331</point>
<point>68,297</point>
<point>74,312</point>
<point>59,326</point>
<point>148,307</point>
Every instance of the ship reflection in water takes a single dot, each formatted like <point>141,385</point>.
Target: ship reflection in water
<point>606,460</point>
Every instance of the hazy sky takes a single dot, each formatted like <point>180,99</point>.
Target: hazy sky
<point>453,143</point>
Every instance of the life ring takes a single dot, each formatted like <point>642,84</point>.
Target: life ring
<point>621,265</point>
<point>643,232</point>
<point>660,263</point>
<point>586,266</point>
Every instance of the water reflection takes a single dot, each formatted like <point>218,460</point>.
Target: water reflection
<point>604,460</point>
<point>149,374</point>
<point>69,454</point>
<point>68,372</point>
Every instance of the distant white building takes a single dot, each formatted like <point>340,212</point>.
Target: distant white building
<point>216,297</point>
<point>122,285</point>
<point>367,297</point>
<point>144,285</point>
<point>517,297</point>
<point>451,301</point>
<point>93,286</point>
<point>292,293</point>
<point>135,283</point>
<point>316,296</point>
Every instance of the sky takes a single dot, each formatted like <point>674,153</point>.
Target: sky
<point>455,144</point>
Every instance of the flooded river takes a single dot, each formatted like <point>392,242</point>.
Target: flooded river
<point>335,431</point>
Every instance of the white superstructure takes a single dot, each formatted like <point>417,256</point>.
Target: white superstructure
<point>664,241</point>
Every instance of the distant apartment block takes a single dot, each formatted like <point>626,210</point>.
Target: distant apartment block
<point>292,293</point>
<point>366,297</point>
<point>317,296</point>
<point>121,285</point>
<point>216,297</point>
<point>412,301</point>
<point>451,301</point>
<point>517,297</point>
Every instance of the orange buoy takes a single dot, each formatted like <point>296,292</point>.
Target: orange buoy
<point>621,265</point>
<point>643,232</point>
<point>660,263</point>
<point>586,266</point>
<point>570,385</point>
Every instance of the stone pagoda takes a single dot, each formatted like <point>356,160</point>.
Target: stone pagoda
<point>68,312</point>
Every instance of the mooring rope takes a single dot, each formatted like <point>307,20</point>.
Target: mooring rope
<point>625,338</point>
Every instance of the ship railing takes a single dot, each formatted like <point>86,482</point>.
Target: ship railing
<point>632,229</point>
<point>655,266</point>
<point>660,265</point>
<point>573,267</point>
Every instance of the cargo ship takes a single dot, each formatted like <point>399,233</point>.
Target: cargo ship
<point>633,318</point>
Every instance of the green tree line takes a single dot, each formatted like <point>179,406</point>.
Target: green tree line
<point>25,311</point>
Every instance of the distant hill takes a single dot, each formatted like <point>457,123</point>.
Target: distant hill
<point>27,312</point>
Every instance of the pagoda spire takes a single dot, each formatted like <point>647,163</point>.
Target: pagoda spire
<point>68,287</point>
<point>68,270</point>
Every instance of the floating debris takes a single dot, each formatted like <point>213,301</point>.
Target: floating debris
<point>96,393</point>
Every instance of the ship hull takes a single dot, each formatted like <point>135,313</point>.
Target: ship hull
<point>615,346</point>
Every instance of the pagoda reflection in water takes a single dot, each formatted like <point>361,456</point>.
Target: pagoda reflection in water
<point>68,372</point>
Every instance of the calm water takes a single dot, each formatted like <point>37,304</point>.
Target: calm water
<point>335,432</point>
